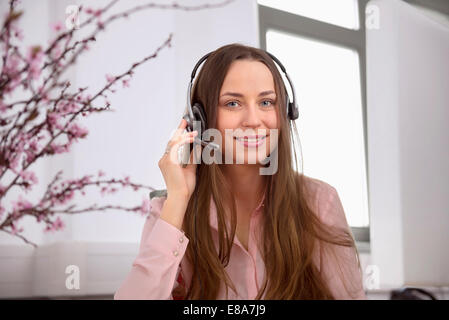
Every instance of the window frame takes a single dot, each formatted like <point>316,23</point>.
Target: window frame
<point>441,6</point>
<point>295,24</point>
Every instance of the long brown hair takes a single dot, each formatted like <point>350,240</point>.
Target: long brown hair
<point>291,226</point>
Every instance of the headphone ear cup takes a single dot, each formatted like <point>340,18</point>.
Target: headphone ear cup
<point>293,113</point>
<point>200,115</point>
<point>292,110</point>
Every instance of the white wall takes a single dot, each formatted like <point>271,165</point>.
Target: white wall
<point>408,146</point>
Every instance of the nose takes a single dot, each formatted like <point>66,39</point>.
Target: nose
<point>251,116</point>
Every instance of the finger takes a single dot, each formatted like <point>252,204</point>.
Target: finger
<point>177,132</point>
<point>180,137</point>
<point>182,124</point>
<point>195,155</point>
<point>181,127</point>
<point>173,154</point>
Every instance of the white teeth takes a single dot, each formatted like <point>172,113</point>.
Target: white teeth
<point>249,140</point>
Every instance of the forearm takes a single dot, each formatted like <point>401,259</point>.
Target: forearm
<point>174,210</point>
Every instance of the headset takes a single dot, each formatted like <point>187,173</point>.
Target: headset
<point>196,113</point>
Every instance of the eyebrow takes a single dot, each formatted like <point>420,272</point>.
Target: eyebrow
<point>235,94</point>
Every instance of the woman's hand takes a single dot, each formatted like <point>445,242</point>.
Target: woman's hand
<point>180,181</point>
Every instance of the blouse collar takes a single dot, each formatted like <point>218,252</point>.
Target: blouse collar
<point>213,211</point>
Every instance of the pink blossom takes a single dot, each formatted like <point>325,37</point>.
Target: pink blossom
<point>84,180</point>
<point>126,181</point>
<point>112,190</point>
<point>29,155</point>
<point>13,161</point>
<point>14,229</point>
<point>94,12</point>
<point>16,80</point>
<point>33,145</point>
<point>53,118</point>
<point>3,107</point>
<point>34,59</point>
<point>34,53</point>
<point>57,26</point>
<point>77,131</point>
<point>56,52</point>
<point>103,190</point>
<point>44,95</point>
<point>67,107</point>
<point>56,225</point>
<point>125,83</point>
<point>145,207</point>
<point>65,197</point>
<point>16,31</point>
<point>2,189</point>
<point>19,34</point>
<point>59,148</point>
<point>2,210</point>
<point>110,78</point>
<point>23,138</point>
<point>101,173</point>
<point>21,204</point>
<point>12,64</point>
<point>87,98</point>
<point>28,176</point>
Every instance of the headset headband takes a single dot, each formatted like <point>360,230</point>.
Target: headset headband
<point>292,109</point>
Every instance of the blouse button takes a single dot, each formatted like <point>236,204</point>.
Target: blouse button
<point>181,240</point>
<point>175,253</point>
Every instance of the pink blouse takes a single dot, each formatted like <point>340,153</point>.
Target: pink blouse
<point>160,265</point>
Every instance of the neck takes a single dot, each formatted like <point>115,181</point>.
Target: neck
<point>247,184</point>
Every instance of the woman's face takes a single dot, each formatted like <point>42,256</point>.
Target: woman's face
<point>247,102</point>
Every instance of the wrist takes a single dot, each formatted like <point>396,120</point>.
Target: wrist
<point>174,210</point>
<point>178,196</point>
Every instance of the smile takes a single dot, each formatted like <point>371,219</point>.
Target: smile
<point>251,141</point>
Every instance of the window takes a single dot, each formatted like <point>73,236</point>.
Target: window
<point>326,63</point>
<point>339,12</point>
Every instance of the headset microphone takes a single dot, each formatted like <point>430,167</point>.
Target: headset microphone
<point>201,141</point>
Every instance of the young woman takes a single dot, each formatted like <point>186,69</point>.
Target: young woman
<point>243,235</point>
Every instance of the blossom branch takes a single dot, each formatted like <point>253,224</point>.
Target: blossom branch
<point>46,122</point>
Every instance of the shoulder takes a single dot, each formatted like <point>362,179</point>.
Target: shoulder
<point>317,184</point>
<point>318,190</point>
<point>325,200</point>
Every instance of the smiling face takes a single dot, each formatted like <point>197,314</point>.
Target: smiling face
<point>247,110</point>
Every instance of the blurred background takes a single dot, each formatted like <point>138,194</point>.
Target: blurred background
<point>372,86</point>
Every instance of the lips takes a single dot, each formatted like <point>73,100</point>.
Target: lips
<point>251,141</point>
